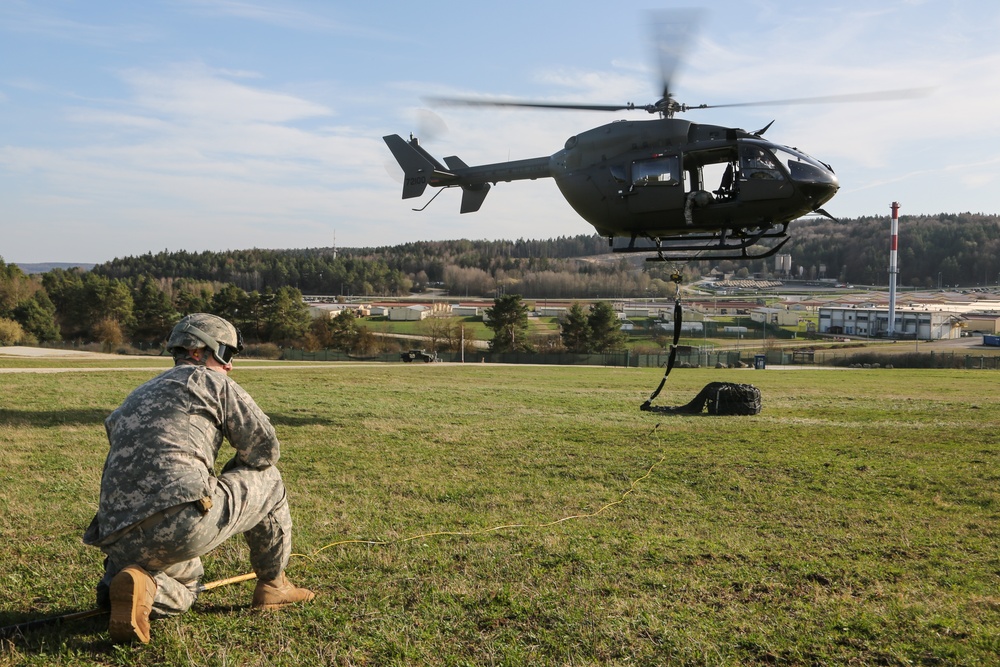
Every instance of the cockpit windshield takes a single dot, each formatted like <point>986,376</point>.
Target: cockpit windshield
<point>799,166</point>
<point>757,163</point>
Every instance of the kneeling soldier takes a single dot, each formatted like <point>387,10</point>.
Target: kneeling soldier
<point>162,505</point>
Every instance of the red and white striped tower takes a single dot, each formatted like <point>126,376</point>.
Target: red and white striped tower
<point>893,268</point>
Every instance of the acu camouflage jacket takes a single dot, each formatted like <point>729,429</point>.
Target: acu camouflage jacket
<point>165,439</point>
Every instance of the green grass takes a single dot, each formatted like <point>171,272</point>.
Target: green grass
<point>854,521</point>
<point>474,327</point>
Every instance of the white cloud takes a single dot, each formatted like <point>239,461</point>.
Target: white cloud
<point>35,19</point>
<point>286,16</point>
<point>195,93</point>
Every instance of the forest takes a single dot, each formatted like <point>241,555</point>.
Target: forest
<point>934,251</point>
<point>134,300</point>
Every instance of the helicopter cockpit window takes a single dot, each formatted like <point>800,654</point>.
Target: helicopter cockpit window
<point>801,167</point>
<point>656,171</point>
<point>758,163</point>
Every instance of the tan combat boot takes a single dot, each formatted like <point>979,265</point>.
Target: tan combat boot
<point>277,593</point>
<point>132,591</point>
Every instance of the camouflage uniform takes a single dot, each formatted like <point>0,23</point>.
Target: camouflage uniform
<point>162,506</point>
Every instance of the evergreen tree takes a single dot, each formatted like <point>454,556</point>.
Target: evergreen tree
<point>576,334</point>
<point>65,289</point>
<point>154,313</point>
<point>228,302</point>
<point>191,297</point>
<point>343,330</point>
<point>37,316</point>
<point>286,316</point>
<point>110,300</point>
<point>605,328</point>
<point>509,322</point>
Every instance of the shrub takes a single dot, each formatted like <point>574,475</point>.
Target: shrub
<point>262,351</point>
<point>11,332</point>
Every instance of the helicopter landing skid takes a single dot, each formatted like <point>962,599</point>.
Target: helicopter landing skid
<point>718,246</point>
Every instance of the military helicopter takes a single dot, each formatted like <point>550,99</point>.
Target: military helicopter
<point>652,182</point>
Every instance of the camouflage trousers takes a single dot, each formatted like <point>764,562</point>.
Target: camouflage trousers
<point>247,501</point>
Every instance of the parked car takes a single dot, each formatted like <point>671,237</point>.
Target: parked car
<point>418,355</point>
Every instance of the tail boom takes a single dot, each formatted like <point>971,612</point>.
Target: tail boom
<point>421,169</point>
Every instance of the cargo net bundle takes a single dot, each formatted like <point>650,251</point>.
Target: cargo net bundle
<point>720,398</point>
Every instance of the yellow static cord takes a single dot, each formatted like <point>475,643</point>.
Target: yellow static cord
<point>483,531</point>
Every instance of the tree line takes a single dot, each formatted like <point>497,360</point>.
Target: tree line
<point>136,299</point>
<point>84,306</point>
<point>946,249</point>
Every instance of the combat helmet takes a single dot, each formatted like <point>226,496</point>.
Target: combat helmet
<point>199,330</point>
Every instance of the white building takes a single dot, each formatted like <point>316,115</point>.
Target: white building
<point>873,321</point>
<point>778,316</point>
<point>686,327</point>
<point>327,310</point>
<point>408,313</point>
<point>331,310</point>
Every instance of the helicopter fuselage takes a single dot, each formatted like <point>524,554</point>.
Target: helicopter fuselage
<point>656,179</point>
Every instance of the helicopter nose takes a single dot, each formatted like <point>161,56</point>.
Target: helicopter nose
<point>815,180</point>
<point>820,190</point>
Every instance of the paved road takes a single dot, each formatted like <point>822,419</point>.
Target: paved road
<point>49,353</point>
<point>156,363</point>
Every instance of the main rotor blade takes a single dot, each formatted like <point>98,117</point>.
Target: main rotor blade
<point>458,101</point>
<point>671,31</point>
<point>879,96</point>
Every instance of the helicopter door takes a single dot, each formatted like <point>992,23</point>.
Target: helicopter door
<point>761,176</point>
<point>656,185</point>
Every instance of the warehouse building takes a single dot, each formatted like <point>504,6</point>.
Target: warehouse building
<point>873,322</point>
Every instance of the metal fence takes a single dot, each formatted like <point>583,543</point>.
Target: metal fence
<point>623,359</point>
<point>691,357</point>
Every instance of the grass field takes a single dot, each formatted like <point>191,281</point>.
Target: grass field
<point>853,522</point>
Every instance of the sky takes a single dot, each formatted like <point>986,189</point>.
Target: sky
<point>133,127</point>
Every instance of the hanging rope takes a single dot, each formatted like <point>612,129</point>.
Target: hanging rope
<point>672,357</point>
<point>721,398</point>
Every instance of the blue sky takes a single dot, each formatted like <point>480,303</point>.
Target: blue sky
<point>131,127</point>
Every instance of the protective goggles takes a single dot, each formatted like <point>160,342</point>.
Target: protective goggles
<point>222,352</point>
<point>225,353</point>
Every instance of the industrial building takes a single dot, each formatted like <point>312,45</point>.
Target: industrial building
<point>985,323</point>
<point>873,321</point>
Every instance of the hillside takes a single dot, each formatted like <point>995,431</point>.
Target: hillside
<point>45,267</point>
<point>944,249</point>
<point>137,298</point>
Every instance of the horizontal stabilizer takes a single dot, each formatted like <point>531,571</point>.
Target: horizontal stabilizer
<point>473,196</point>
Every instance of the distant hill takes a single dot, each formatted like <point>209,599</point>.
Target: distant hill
<point>45,267</point>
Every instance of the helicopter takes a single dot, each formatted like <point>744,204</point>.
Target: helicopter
<point>669,186</point>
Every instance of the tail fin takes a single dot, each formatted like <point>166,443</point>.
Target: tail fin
<point>419,168</point>
<point>472,195</point>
